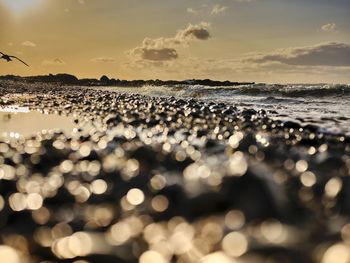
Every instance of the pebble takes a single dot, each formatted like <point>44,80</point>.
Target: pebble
<point>169,179</point>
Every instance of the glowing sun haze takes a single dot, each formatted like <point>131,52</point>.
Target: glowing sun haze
<point>19,5</point>
<point>242,40</point>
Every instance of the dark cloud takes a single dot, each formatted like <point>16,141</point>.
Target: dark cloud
<point>199,31</point>
<point>161,54</point>
<point>326,54</point>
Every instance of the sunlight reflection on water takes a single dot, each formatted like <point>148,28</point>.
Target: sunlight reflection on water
<point>21,121</point>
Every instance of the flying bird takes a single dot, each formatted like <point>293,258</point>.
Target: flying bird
<point>9,58</point>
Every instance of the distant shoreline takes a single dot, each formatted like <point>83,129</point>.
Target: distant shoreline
<point>67,79</point>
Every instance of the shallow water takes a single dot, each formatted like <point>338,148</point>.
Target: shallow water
<point>16,122</point>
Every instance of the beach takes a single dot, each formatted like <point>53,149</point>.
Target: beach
<point>144,178</point>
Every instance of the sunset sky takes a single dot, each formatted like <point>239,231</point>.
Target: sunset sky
<point>240,40</point>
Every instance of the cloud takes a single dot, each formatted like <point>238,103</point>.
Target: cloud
<point>199,31</point>
<point>53,62</point>
<point>329,27</point>
<point>325,54</point>
<point>164,49</point>
<point>28,44</point>
<point>103,59</point>
<point>162,54</point>
<point>206,10</point>
<point>160,49</point>
<point>218,9</point>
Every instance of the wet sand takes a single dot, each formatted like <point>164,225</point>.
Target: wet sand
<point>169,180</point>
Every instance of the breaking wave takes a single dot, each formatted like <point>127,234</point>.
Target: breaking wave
<point>296,90</point>
<point>261,89</point>
<point>199,91</point>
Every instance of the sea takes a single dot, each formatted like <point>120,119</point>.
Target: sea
<point>324,105</point>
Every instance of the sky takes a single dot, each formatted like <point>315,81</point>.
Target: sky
<point>273,41</point>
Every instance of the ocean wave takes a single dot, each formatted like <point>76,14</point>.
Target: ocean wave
<point>268,90</point>
<point>296,90</point>
<point>301,90</point>
<point>275,100</point>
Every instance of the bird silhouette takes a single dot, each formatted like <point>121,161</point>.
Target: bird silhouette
<point>9,58</point>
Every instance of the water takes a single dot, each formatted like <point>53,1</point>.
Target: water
<point>16,122</point>
<point>327,106</point>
